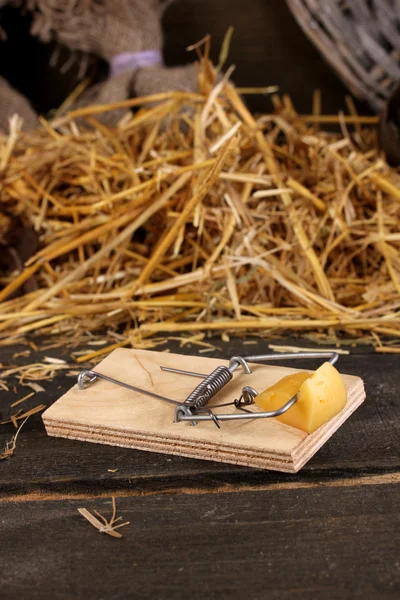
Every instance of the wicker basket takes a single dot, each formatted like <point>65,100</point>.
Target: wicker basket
<point>360,39</point>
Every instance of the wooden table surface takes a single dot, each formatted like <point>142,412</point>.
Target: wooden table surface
<point>200,529</point>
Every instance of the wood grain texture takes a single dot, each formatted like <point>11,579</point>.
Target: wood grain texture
<point>109,414</point>
<point>331,542</point>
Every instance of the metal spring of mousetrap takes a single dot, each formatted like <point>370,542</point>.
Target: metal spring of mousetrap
<point>192,407</point>
<point>208,388</point>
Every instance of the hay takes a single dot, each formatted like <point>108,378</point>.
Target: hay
<point>194,215</point>
<point>11,445</point>
<point>102,524</point>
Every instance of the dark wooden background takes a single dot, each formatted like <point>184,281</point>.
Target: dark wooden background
<point>201,529</point>
<point>268,47</point>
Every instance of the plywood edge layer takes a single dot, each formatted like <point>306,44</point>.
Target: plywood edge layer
<point>215,454</point>
<point>66,429</point>
<point>111,431</point>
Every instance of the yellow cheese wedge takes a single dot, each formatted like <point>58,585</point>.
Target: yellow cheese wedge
<point>320,396</point>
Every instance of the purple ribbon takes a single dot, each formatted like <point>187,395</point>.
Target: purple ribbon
<point>129,61</point>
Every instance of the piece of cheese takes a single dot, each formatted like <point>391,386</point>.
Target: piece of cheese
<point>278,394</point>
<point>320,396</point>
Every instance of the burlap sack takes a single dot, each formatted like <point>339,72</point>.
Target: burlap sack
<point>138,83</point>
<point>103,27</point>
<point>12,102</point>
<point>109,28</point>
<point>163,79</point>
<point>106,28</point>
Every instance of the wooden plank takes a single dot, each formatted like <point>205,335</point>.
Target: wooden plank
<point>110,414</point>
<point>366,444</point>
<point>332,541</point>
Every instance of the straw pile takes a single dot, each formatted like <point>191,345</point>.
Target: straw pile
<point>193,215</point>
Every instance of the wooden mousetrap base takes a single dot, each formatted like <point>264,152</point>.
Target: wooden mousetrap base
<point>109,414</point>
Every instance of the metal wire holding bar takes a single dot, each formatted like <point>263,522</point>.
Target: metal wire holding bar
<point>195,404</point>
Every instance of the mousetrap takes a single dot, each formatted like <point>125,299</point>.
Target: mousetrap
<point>152,401</point>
